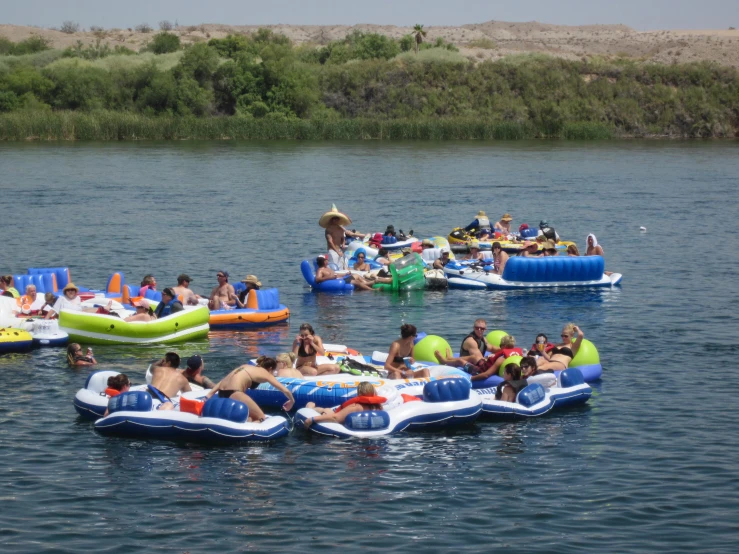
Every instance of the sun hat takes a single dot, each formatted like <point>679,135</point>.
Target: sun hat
<point>481,213</point>
<point>445,250</point>
<point>474,244</point>
<point>252,279</point>
<point>427,242</point>
<point>528,243</point>
<point>70,286</point>
<point>326,218</point>
<point>376,239</point>
<point>142,302</point>
<point>506,217</point>
<point>194,362</point>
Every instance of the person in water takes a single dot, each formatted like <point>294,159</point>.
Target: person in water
<point>500,258</point>
<point>560,356</point>
<point>307,346</point>
<point>167,381</point>
<point>245,377</point>
<point>194,372</point>
<point>223,296</point>
<point>169,304</point>
<point>251,282</point>
<point>336,240</point>
<point>365,400</point>
<point>504,225</point>
<point>182,290</point>
<point>325,273</point>
<point>473,347</point>
<point>480,227</point>
<point>593,249</point>
<point>400,350</point>
<point>76,358</point>
<point>143,311</point>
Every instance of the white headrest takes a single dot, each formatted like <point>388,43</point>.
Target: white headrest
<point>98,381</point>
<point>430,254</point>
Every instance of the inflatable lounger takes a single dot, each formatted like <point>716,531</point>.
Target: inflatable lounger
<point>443,403</point>
<point>189,324</point>
<point>334,285</point>
<point>135,414</point>
<point>262,308</point>
<point>553,271</point>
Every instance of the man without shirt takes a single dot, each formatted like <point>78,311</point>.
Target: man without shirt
<point>189,298</point>
<point>167,382</point>
<point>223,296</point>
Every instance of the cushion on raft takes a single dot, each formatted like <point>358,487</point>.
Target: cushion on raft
<point>131,401</point>
<point>447,390</point>
<point>531,395</point>
<point>226,408</point>
<point>571,377</point>
<point>554,269</point>
<point>367,421</point>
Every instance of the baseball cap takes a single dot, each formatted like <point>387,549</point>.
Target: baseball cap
<point>194,362</point>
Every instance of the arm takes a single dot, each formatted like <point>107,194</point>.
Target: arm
<point>214,390</point>
<point>487,373</point>
<point>503,260</point>
<point>392,369</point>
<point>317,344</point>
<point>491,347</point>
<point>279,386</point>
<point>578,340</point>
<point>212,294</point>
<point>330,416</point>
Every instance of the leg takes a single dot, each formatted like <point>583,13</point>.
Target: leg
<point>308,370</point>
<point>361,283</point>
<point>454,362</point>
<point>255,412</point>
<point>422,373</point>
<point>327,369</point>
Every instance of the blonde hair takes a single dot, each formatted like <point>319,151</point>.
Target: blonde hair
<point>572,249</point>
<point>366,389</point>
<point>507,342</point>
<point>569,329</point>
<point>285,358</point>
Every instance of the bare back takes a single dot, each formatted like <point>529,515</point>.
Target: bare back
<point>244,377</point>
<point>169,380</point>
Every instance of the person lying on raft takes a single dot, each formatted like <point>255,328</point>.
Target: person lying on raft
<point>285,366</point>
<point>166,381</point>
<point>365,400</point>
<point>325,273</point>
<point>245,377</point>
<point>117,384</point>
<point>540,345</point>
<point>491,365</point>
<point>559,357</point>
<point>76,358</point>
<point>529,369</point>
<point>512,384</point>
<point>473,347</point>
<point>399,351</point>
<point>306,346</point>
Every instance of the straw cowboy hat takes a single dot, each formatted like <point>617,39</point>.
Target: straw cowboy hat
<point>506,217</point>
<point>481,214</point>
<point>252,279</point>
<point>328,216</point>
<point>70,286</point>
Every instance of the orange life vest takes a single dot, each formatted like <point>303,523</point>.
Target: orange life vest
<point>112,392</point>
<point>364,400</point>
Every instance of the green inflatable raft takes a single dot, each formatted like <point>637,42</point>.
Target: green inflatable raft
<point>90,328</point>
<point>407,274</point>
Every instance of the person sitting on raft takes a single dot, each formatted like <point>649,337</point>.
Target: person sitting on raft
<point>245,377</point>
<point>500,258</point>
<point>474,253</point>
<point>223,296</point>
<point>361,263</point>
<point>76,358</point>
<point>325,273</point>
<point>473,347</point>
<point>491,365</point>
<point>169,304</point>
<point>549,249</point>
<point>547,231</point>
<point>117,384</point>
<point>365,400</point>
<point>504,225</point>
<point>541,344</point>
<point>572,251</point>
<point>31,302</point>
<point>383,256</point>
<point>480,227</point>
<point>143,310</point>
<point>285,363</point>
<point>7,288</point>
<point>182,290</point>
<point>251,282</point>
<point>512,384</point>
<point>68,301</point>
<point>445,259</point>
<point>307,346</point>
<point>400,350</point>
<point>194,372</point>
<point>166,381</point>
<point>559,357</point>
<point>149,282</point>
<point>529,249</point>
<point>49,301</point>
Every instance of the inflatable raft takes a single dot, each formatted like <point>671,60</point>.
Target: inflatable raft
<point>15,340</point>
<point>262,308</point>
<point>554,271</point>
<point>135,414</point>
<point>443,403</point>
<point>92,328</point>
<point>333,285</point>
<point>539,397</point>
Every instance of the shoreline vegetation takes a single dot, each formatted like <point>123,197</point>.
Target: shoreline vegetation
<point>364,87</point>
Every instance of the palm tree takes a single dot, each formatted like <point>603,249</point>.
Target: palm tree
<point>418,34</point>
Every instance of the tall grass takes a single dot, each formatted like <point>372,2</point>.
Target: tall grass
<point>109,125</point>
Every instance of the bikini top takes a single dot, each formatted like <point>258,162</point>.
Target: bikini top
<point>564,350</point>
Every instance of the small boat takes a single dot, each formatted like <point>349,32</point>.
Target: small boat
<point>552,271</point>
<point>92,328</point>
<point>15,340</point>
<point>434,405</point>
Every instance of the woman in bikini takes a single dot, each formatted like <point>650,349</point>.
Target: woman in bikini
<point>338,415</point>
<point>559,357</point>
<point>401,349</point>
<point>307,346</point>
<point>245,377</point>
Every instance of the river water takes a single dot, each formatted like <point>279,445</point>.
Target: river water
<point>649,465</point>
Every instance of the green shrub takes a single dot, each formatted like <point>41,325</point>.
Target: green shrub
<point>163,43</point>
<point>31,45</point>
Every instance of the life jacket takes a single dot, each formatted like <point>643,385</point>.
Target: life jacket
<point>535,350</point>
<point>480,344</point>
<point>14,292</point>
<point>503,353</point>
<point>164,311</point>
<point>483,224</point>
<point>112,392</point>
<point>549,233</point>
<point>364,400</point>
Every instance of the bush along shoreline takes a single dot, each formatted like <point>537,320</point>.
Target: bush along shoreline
<point>366,86</point>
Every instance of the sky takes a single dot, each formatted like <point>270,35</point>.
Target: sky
<point>640,14</point>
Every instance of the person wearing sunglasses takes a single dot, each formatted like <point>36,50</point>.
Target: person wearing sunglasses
<point>361,263</point>
<point>560,356</point>
<point>473,347</point>
<point>223,296</point>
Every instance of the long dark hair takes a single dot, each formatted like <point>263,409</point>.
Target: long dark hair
<point>408,330</point>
